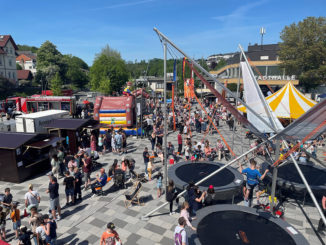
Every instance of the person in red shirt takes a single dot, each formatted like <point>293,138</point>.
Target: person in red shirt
<point>180,143</point>
<point>110,236</point>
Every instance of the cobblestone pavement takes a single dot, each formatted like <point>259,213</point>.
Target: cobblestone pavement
<point>85,222</point>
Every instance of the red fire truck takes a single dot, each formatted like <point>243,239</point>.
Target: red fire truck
<point>42,103</point>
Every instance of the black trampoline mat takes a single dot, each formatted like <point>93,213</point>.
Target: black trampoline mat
<point>197,171</point>
<point>313,175</point>
<point>225,227</point>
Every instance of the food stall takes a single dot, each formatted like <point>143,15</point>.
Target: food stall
<point>24,155</point>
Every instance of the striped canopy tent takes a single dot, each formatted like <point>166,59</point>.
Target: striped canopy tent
<point>288,102</point>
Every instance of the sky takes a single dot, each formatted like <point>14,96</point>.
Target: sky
<point>199,28</point>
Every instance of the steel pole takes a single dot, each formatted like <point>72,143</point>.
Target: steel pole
<point>165,122</point>
<point>277,155</point>
<point>165,38</point>
<point>141,111</point>
<point>306,184</point>
<point>209,176</point>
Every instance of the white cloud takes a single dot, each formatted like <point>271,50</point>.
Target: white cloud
<point>122,5</point>
<point>239,12</point>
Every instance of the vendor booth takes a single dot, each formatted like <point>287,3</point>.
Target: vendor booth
<point>71,130</point>
<point>24,155</point>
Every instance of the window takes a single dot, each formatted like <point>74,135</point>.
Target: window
<point>13,75</point>
<point>0,61</point>
<point>10,62</point>
<point>9,74</point>
<point>30,67</point>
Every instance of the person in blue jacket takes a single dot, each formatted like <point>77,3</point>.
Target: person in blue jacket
<point>253,177</point>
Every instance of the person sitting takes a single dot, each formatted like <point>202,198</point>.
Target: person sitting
<point>253,177</point>
<point>100,181</point>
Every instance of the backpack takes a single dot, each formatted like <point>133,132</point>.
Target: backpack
<point>178,238</point>
<point>111,240</point>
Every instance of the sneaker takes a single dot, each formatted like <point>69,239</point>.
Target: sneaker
<point>58,218</point>
<point>94,195</point>
<point>172,213</point>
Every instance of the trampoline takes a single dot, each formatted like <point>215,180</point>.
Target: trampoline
<point>235,225</point>
<point>226,183</point>
<point>288,178</point>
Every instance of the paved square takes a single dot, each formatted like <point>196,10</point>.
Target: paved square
<point>85,222</point>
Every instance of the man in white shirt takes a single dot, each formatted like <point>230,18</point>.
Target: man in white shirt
<point>180,235</point>
<point>32,198</point>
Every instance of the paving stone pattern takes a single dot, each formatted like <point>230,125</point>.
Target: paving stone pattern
<point>85,222</point>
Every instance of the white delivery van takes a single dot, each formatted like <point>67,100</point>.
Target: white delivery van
<point>34,122</point>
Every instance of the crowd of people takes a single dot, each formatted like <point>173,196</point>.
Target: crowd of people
<point>76,169</point>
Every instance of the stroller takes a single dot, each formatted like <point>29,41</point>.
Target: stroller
<point>119,179</point>
<point>95,164</point>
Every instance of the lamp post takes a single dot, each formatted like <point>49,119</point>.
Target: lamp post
<point>165,122</point>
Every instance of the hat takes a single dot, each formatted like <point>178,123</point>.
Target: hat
<point>211,187</point>
<point>49,173</point>
<point>110,226</point>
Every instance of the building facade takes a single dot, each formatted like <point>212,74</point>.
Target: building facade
<point>27,60</point>
<point>8,49</point>
<point>265,63</point>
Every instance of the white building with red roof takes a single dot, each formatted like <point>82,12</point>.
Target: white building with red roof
<point>8,49</point>
<point>27,60</point>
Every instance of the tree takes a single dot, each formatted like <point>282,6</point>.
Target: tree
<point>109,52</point>
<point>6,88</point>
<point>56,84</point>
<point>24,47</point>
<point>18,66</point>
<point>76,72</point>
<point>48,55</point>
<point>110,69</point>
<point>303,51</point>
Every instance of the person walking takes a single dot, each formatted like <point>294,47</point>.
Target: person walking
<point>146,160</point>
<point>87,169</point>
<point>110,236</point>
<point>78,184</point>
<point>32,198</point>
<point>180,235</point>
<point>69,182</point>
<point>171,195</point>
<point>185,214</point>
<point>55,164</point>
<point>179,143</point>
<point>53,191</point>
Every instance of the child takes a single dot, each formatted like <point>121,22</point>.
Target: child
<point>25,236</point>
<point>7,200</point>
<point>2,224</point>
<point>159,184</point>
<point>15,217</point>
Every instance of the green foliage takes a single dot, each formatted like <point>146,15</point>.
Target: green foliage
<point>303,51</point>
<point>6,88</point>
<point>56,84</point>
<point>216,66</point>
<point>48,55</point>
<point>18,66</point>
<point>108,73</point>
<point>76,72</point>
<point>109,52</point>
<point>23,47</point>
<point>232,86</point>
